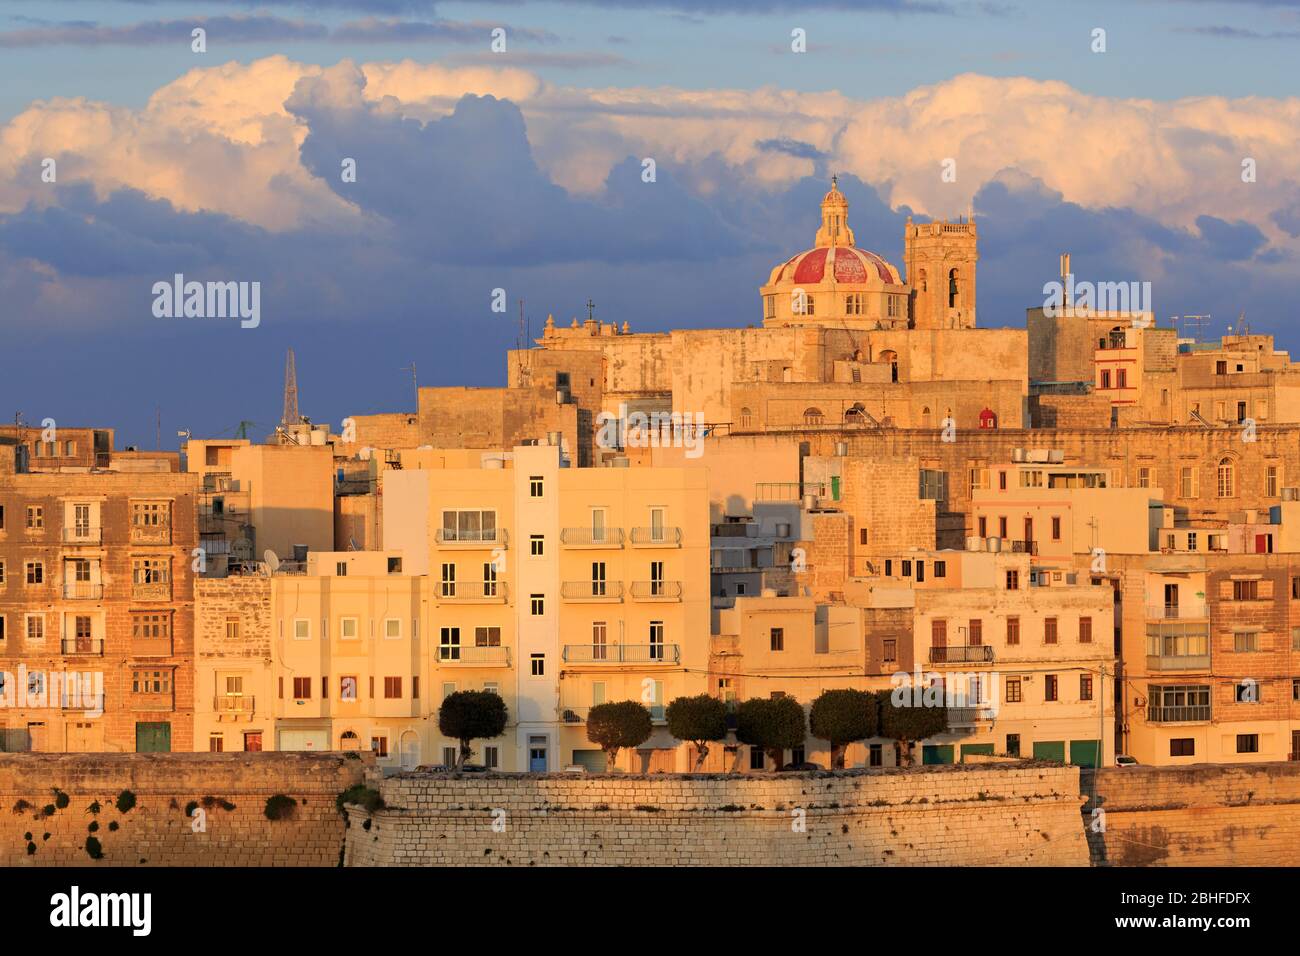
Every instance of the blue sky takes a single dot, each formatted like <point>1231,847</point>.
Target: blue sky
<point>224,166</point>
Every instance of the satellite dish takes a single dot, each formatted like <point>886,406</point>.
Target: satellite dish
<point>272,561</point>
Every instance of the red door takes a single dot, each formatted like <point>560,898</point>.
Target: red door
<point>253,740</point>
<point>1261,544</point>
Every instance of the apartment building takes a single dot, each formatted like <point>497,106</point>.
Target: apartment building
<point>562,588</point>
<point>234,664</point>
<point>96,609</point>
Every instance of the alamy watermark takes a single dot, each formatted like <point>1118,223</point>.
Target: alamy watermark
<point>179,299</point>
<point>651,430</point>
<point>1085,298</point>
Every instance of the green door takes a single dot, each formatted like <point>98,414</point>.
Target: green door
<point>593,761</point>
<point>153,738</point>
<point>1083,753</point>
<point>978,749</point>
<point>835,487</point>
<point>1050,750</point>
<point>936,753</point>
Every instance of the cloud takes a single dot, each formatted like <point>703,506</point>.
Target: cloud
<point>381,30</point>
<point>233,29</point>
<point>1237,33</point>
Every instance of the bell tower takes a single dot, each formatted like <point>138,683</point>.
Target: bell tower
<point>835,229</point>
<point>940,259</point>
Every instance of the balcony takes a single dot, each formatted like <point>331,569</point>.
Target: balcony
<point>82,591</point>
<point>81,534</point>
<point>622,653</point>
<point>968,716</point>
<point>1016,546</point>
<point>599,592</point>
<point>466,540</point>
<point>1177,612</point>
<point>656,537</point>
<point>471,656</point>
<point>151,533</point>
<point>656,590</point>
<point>472,592</point>
<point>83,646</point>
<point>1178,662</point>
<point>234,704</point>
<point>965,654</point>
<point>1186,714</point>
<point>151,591</point>
<point>591,537</point>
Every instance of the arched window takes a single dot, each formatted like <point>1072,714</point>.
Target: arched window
<point>1226,478</point>
<point>348,740</point>
<point>813,416</point>
<point>746,418</point>
<point>854,416</point>
<point>952,288</point>
<point>890,356</point>
<point>922,283</point>
<point>925,417</point>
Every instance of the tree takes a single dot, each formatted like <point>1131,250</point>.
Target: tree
<point>700,720</point>
<point>774,725</point>
<point>471,715</point>
<point>908,722</point>
<point>624,723</point>
<point>842,717</point>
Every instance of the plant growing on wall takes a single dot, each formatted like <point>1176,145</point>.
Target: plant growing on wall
<point>843,717</point>
<point>908,723</point>
<point>700,720</point>
<point>616,725</point>
<point>280,807</point>
<point>469,715</point>
<point>774,725</point>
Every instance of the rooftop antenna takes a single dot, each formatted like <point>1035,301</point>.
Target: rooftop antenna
<point>291,416</point>
<point>415,384</point>
<point>1194,326</point>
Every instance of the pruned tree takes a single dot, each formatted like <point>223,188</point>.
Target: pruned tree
<point>700,720</point>
<point>773,724</point>
<point>843,717</point>
<point>616,725</point>
<point>909,722</point>
<point>469,715</point>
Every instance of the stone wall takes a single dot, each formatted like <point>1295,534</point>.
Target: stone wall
<point>1024,813</point>
<point>50,804</point>
<point>1202,815</point>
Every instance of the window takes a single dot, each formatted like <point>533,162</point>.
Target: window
<point>1049,687</point>
<point>1187,481</point>
<point>1013,690</point>
<point>939,633</point>
<point>348,629</point>
<point>1002,526</point>
<point>1144,477</point>
<point>889,648</point>
<point>1270,481</point>
<point>1085,687</point>
<point>158,627</point>
<point>1226,474</point>
<point>1244,642</point>
<point>538,664</point>
<point>1245,590</point>
<point>1105,378</point>
<point>1247,743</point>
<point>35,517</point>
<point>755,758</point>
<point>302,688</point>
<point>489,636</point>
<point>2,517</point>
<point>777,638</point>
<point>983,526</point>
<point>1013,631</point>
<point>491,757</point>
<point>35,624</point>
<point>150,514</point>
<point>35,572</point>
<point>1056,528</point>
<point>598,588</point>
<point>535,486</point>
<point>813,416</point>
<point>875,755</point>
<point>1182,747</point>
<point>2,573</point>
<point>216,743</point>
<point>598,636</point>
<point>1121,378</point>
<point>862,536</point>
<point>301,629</point>
<point>348,688</point>
<point>656,640</point>
<point>392,628</point>
<point>536,545</point>
<point>394,565</point>
<point>379,745</point>
<point>537,604</point>
<point>1085,630</point>
<point>392,688</point>
<point>941,569</point>
<point>1013,580</point>
<point>469,525</point>
<point>1049,630</point>
<point>150,571</point>
<point>449,644</point>
<point>975,633</point>
<point>449,580</point>
<point>1013,745</point>
<point>1191,541</point>
<point>1247,692</point>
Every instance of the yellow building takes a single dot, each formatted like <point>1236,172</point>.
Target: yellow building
<point>561,588</point>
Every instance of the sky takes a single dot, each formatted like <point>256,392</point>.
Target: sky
<point>1154,140</point>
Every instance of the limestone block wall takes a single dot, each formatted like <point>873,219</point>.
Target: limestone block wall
<point>1023,813</point>
<point>1200,815</point>
<point>137,807</point>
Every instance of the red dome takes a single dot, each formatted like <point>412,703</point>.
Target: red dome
<point>850,264</point>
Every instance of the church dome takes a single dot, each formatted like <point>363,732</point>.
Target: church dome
<point>845,264</point>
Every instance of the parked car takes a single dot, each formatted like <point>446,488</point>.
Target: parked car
<point>1124,760</point>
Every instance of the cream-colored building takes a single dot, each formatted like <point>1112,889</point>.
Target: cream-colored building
<point>561,588</point>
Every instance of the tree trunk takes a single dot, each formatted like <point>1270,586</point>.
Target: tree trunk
<point>701,752</point>
<point>905,753</point>
<point>465,753</point>
<point>837,756</point>
<point>778,757</point>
